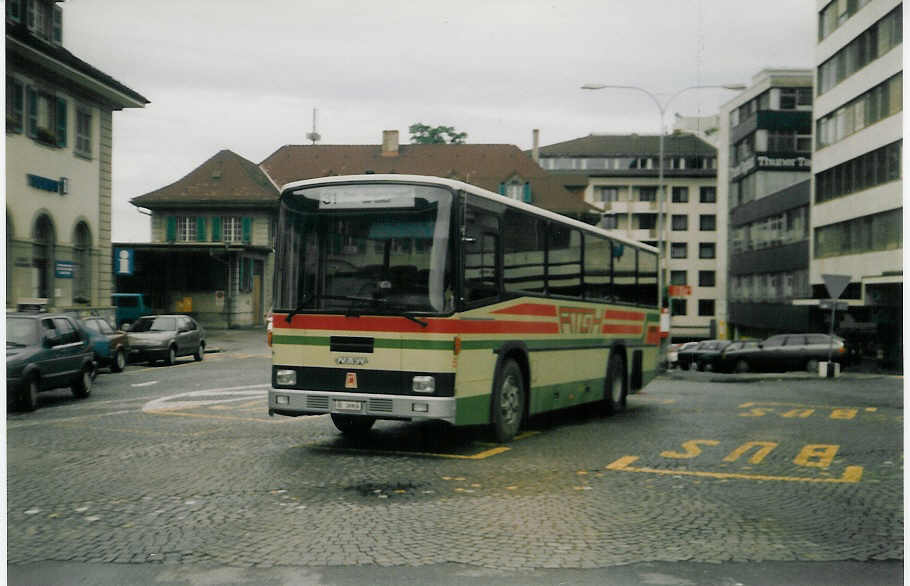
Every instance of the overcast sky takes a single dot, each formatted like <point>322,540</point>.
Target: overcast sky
<point>246,76</point>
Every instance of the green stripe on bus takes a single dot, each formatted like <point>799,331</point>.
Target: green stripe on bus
<point>410,344</point>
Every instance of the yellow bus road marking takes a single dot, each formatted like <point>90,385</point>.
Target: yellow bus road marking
<point>650,399</point>
<point>804,405</point>
<point>852,474</point>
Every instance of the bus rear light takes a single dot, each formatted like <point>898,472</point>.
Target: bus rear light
<point>423,384</point>
<point>456,346</point>
<point>268,338</point>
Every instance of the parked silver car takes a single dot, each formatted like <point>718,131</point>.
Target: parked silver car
<point>165,337</point>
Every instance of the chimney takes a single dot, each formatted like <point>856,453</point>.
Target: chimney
<point>389,143</point>
<point>535,148</point>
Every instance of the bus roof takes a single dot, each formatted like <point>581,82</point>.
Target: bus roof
<point>461,185</point>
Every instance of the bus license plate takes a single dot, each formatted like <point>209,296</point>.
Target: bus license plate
<point>348,405</point>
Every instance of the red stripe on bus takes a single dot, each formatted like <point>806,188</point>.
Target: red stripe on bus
<point>529,309</point>
<point>624,315</point>
<point>621,329</point>
<point>403,325</point>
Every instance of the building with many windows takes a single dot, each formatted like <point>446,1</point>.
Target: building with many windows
<point>856,193</point>
<point>59,124</point>
<point>764,158</point>
<point>619,175</point>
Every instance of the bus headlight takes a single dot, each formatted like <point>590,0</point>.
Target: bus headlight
<point>424,384</point>
<point>286,377</point>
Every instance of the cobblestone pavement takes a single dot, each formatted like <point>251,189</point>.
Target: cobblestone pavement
<point>181,466</point>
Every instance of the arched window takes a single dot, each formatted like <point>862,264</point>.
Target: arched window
<point>43,257</point>
<point>82,257</point>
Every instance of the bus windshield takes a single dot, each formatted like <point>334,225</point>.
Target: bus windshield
<point>364,248</point>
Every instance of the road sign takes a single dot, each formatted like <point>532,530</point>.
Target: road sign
<point>836,284</point>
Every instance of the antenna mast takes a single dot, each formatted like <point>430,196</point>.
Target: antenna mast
<point>314,136</point>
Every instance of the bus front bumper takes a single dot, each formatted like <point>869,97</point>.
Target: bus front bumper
<point>293,402</point>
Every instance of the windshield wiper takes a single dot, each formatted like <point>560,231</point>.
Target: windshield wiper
<point>299,308</point>
<point>415,319</point>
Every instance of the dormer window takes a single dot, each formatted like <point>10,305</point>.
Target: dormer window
<point>44,19</point>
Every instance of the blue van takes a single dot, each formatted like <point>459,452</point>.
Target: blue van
<point>130,306</point>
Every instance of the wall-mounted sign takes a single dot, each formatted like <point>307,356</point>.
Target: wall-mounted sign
<point>123,261</point>
<point>64,269</point>
<point>60,186</point>
<point>765,162</point>
<point>679,290</point>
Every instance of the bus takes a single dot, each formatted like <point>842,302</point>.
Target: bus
<point>408,297</point>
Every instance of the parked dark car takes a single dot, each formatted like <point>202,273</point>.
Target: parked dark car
<point>685,355</point>
<point>46,351</point>
<point>165,337</point>
<point>787,352</point>
<point>736,356</point>
<point>111,346</point>
<point>707,352</point>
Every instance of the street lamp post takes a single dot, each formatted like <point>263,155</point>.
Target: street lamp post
<point>662,108</point>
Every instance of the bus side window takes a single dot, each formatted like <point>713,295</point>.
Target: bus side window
<point>524,252</point>
<point>598,267</point>
<point>624,285</point>
<point>481,257</point>
<point>563,261</point>
<point>647,278</point>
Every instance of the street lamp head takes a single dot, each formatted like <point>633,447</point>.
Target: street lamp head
<point>734,86</point>
<point>593,86</point>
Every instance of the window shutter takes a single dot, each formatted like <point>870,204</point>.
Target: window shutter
<point>527,193</point>
<point>171,233</point>
<point>502,189</point>
<point>61,122</point>
<point>200,228</point>
<point>247,228</point>
<point>32,99</point>
<point>216,229</point>
<point>57,34</point>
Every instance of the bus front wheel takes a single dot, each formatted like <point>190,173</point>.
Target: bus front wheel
<point>353,424</point>
<point>508,402</point>
<point>615,385</point>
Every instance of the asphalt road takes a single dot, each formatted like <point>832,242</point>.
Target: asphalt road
<point>176,475</point>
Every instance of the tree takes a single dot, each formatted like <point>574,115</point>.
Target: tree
<point>423,134</point>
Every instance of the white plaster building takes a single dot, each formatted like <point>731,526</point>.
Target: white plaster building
<point>857,207</point>
<point>59,126</point>
<point>619,175</point>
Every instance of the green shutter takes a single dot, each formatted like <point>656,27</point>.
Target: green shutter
<point>216,229</point>
<point>61,122</point>
<point>171,233</point>
<point>32,98</point>
<point>528,192</point>
<point>502,189</point>
<point>58,25</point>
<point>200,228</point>
<point>247,229</point>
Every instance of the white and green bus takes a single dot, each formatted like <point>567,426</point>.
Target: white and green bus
<point>408,298</point>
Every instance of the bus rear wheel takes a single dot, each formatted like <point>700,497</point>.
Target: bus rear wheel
<point>353,424</point>
<point>508,401</point>
<point>615,385</point>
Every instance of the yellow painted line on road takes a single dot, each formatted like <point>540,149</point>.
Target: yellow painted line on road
<point>777,404</point>
<point>852,474</point>
<point>494,450</point>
